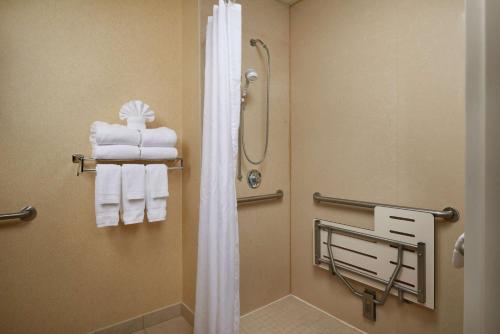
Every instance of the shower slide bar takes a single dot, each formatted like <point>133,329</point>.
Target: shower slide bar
<point>449,213</point>
<point>80,159</point>
<point>259,198</point>
<point>25,214</point>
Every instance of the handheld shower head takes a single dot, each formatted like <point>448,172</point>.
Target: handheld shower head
<point>251,75</point>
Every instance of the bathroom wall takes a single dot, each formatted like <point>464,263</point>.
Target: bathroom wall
<point>264,228</point>
<point>377,114</point>
<point>63,65</point>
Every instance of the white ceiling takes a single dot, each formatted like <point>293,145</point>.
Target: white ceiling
<point>290,2</point>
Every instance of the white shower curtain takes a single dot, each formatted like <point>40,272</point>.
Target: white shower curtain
<point>217,290</point>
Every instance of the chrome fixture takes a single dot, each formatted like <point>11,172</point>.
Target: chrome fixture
<point>251,76</point>
<point>448,213</point>
<point>369,298</point>
<point>260,198</point>
<point>254,178</point>
<point>80,159</point>
<point>25,214</point>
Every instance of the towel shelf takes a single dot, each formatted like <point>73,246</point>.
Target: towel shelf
<point>80,159</point>
<point>449,213</point>
<point>259,198</point>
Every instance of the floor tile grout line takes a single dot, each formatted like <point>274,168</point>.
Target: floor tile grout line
<point>267,305</point>
<point>329,315</point>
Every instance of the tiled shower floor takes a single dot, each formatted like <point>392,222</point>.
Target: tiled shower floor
<point>285,316</point>
<point>292,316</point>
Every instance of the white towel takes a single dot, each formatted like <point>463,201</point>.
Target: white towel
<point>107,195</point>
<point>102,133</point>
<point>133,191</point>
<point>158,153</point>
<point>156,192</point>
<point>458,252</point>
<point>159,137</point>
<point>124,152</point>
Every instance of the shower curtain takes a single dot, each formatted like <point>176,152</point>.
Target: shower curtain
<point>217,290</point>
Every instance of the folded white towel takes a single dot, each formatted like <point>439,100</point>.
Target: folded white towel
<point>156,192</point>
<point>124,152</point>
<point>159,137</point>
<point>133,191</point>
<point>107,195</point>
<point>157,153</point>
<point>102,133</point>
<point>458,252</point>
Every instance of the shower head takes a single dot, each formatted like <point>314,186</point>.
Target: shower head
<point>251,75</point>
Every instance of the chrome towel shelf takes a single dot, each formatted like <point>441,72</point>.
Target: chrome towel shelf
<point>259,198</point>
<point>449,213</point>
<point>80,159</point>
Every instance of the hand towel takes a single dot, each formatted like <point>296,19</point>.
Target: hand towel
<point>133,191</point>
<point>458,252</point>
<point>107,195</point>
<point>159,137</point>
<point>158,153</point>
<point>124,152</point>
<point>102,133</point>
<point>156,192</point>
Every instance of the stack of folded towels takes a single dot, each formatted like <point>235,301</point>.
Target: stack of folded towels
<point>134,141</point>
<point>131,188</point>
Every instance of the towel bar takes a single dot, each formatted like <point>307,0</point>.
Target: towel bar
<point>451,214</point>
<point>80,160</point>
<point>260,198</point>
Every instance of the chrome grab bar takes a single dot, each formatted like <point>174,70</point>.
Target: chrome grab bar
<point>448,213</point>
<point>259,198</point>
<point>26,214</point>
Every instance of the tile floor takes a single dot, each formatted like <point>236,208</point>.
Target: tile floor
<point>176,325</point>
<point>286,316</point>
<point>292,316</point>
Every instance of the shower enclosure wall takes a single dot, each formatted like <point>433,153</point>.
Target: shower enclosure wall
<point>371,85</point>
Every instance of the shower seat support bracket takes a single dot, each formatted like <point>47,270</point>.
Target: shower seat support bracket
<point>368,296</point>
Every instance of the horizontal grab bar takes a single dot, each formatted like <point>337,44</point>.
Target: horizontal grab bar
<point>26,214</point>
<point>449,213</point>
<point>259,198</point>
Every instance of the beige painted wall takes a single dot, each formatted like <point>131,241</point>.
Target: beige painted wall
<point>377,107</point>
<point>265,228</point>
<point>63,65</point>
